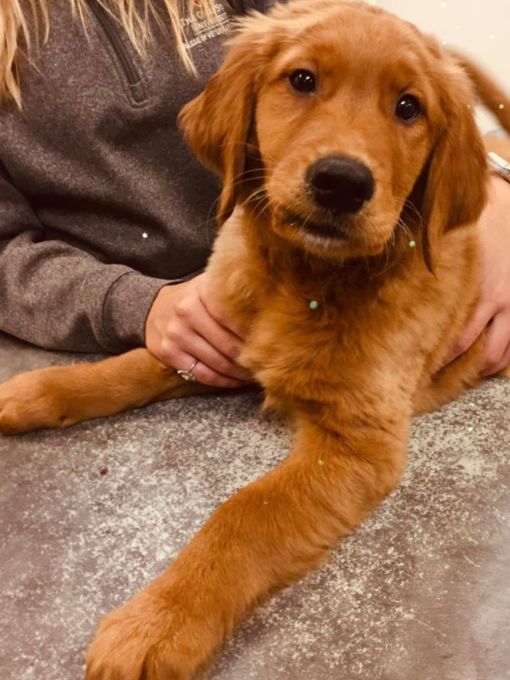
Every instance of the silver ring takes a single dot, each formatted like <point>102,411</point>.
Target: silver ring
<point>187,375</point>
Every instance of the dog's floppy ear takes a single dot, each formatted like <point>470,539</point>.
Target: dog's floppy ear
<point>217,123</point>
<point>456,178</point>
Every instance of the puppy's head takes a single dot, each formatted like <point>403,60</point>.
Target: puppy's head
<point>357,119</point>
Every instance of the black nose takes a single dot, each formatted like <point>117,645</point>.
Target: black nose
<point>340,183</point>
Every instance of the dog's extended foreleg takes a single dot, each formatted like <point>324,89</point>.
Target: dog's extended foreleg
<point>265,537</point>
<point>60,396</point>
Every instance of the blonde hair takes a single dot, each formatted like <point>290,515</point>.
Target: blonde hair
<point>16,38</point>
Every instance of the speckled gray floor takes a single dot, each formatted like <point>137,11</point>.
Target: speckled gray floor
<point>420,592</point>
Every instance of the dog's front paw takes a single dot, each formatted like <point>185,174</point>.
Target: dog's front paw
<point>33,401</point>
<point>151,638</point>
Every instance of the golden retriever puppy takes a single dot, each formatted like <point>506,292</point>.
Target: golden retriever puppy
<point>353,176</point>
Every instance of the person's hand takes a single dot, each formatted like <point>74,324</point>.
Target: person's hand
<point>493,311</point>
<point>185,328</point>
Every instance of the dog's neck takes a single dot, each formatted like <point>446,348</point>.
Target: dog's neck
<point>332,279</point>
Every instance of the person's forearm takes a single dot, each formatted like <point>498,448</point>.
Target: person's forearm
<point>58,297</point>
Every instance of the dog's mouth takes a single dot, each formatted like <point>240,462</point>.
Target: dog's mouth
<point>319,229</point>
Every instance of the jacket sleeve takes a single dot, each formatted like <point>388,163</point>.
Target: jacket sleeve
<point>59,297</point>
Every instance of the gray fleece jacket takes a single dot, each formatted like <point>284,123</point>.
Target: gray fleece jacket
<point>101,203</point>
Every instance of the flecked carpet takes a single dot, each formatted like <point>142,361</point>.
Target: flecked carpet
<point>420,592</point>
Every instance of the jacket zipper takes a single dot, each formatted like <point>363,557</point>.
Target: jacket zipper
<point>125,60</point>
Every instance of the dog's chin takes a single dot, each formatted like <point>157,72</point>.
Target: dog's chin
<point>321,232</point>
<point>338,242</point>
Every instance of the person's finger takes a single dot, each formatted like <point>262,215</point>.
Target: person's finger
<point>471,333</point>
<point>215,312</point>
<point>208,376</point>
<point>200,348</point>
<point>180,347</point>
<point>505,361</point>
<point>197,317</point>
<point>175,358</point>
<point>497,342</point>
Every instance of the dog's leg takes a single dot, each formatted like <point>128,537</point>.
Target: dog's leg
<point>64,395</point>
<point>267,536</point>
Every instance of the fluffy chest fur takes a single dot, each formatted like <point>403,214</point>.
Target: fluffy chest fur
<point>377,328</point>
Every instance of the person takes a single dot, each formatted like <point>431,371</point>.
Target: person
<point>102,206</point>
<point>493,310</point>
<point>105,217</point>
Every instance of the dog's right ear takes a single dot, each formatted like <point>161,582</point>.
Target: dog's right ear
<point>217,123</point>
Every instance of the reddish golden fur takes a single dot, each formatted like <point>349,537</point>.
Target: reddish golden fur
<point>350,374</point>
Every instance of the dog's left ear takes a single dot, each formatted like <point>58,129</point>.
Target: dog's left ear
<point>456,185</point>
<point>217,123</point>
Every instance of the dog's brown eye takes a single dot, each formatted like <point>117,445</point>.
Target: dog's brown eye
<point>303,80</point>
<point>408,107</point>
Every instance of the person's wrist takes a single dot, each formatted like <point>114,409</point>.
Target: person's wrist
<point>163,302</point>
<point>127,306</point>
